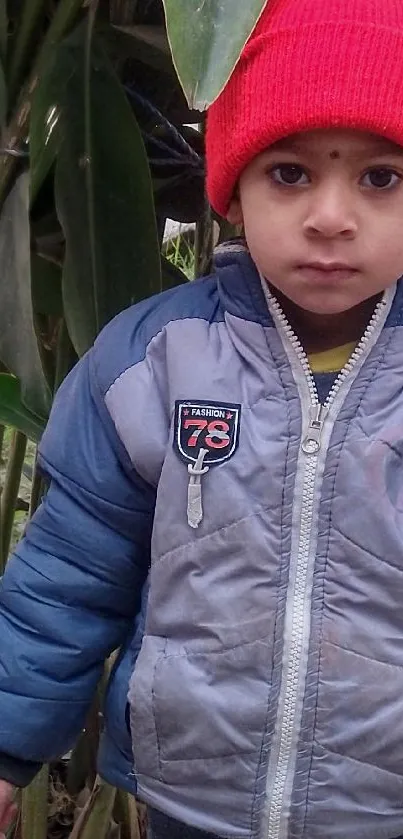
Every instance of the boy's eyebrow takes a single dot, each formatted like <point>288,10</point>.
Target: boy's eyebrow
<point>385,149</point>
<point>286,144</point>
<point>377,148</point>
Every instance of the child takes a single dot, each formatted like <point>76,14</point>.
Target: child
<point>242,435</point>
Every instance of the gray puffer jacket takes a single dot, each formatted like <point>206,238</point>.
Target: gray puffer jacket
<point>267,699</point>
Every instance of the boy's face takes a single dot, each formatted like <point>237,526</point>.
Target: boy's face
<point>323,217</point>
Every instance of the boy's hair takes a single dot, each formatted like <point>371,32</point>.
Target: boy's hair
<point>309,64</point>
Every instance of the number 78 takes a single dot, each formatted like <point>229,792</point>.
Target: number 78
<point>217,436</point>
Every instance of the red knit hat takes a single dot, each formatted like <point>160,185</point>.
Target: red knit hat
<point>308,64</point>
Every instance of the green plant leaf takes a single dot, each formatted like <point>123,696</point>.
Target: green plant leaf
<point>24,43</point>
<point>3,97</point>
<point>34,813</point>
<point>18,343</point>
<point>130,816</point>
<point>3,54</point>
<point>103,196</point>
<point>206,40</point>
<point>3,30</point>
<point>13,412</point>
<point>64,14</point>
<point>95,818</point>
<point>47,302</point>
<point>44,129</point>
<point>145,43</point>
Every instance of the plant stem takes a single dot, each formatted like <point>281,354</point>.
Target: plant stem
<point>36,489</point>
<point>34,811</point>
<point>10,491</point>
<point>204,243</point>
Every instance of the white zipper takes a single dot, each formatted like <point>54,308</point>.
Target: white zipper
<point>281,769</point>
<point>311,442</point>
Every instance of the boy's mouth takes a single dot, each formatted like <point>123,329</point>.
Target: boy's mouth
<point>329,266</point>
<point>327,271</point>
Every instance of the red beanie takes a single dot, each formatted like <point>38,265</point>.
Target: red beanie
<point>308,64</point>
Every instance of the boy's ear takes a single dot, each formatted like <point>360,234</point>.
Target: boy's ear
<point>234,214</point>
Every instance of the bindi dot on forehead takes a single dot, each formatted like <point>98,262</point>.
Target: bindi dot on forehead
<point>334,155</point>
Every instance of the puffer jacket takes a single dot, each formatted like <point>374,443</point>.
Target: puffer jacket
<point>243,545</point>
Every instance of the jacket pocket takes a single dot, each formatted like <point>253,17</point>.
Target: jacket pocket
<point>206,705</point>
<point>141,701</point>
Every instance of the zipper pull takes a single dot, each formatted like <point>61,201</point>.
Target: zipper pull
<point>311,442</point>
<point>196,472</point>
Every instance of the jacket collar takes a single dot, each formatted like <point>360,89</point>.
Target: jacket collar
<point>241,291</point>
<point>239,283</point>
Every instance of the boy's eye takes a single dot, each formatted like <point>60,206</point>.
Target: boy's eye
<point>381,178</point>
<point>289,174</point>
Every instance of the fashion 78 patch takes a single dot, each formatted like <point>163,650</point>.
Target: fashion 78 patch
<point>211,427</point>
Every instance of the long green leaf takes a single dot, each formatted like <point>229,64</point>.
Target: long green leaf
<point>3,55</point>
<point>128,815</point>
<point>65,14</point>
<point>144,43</point>
<point>3,97</point>
<point>47,102</point>
<point>3,30</point>
<point>47,302</point>
<point>35,807</point>
<point>13,412</point>
<point>206,39</point>
<point>95,819</point>
<point>32,11</point>
<point>103,195</point>
<point>18,344</point>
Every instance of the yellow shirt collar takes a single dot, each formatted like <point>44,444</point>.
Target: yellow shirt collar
<point>331,361</point>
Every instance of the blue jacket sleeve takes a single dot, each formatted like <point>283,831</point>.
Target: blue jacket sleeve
<point>72,588</point>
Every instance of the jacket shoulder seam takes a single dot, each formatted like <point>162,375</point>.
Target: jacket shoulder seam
<point>146,348</point>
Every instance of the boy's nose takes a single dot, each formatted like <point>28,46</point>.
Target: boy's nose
<point>331,214</point>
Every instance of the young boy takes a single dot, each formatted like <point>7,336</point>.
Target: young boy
<point>238,444</point>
